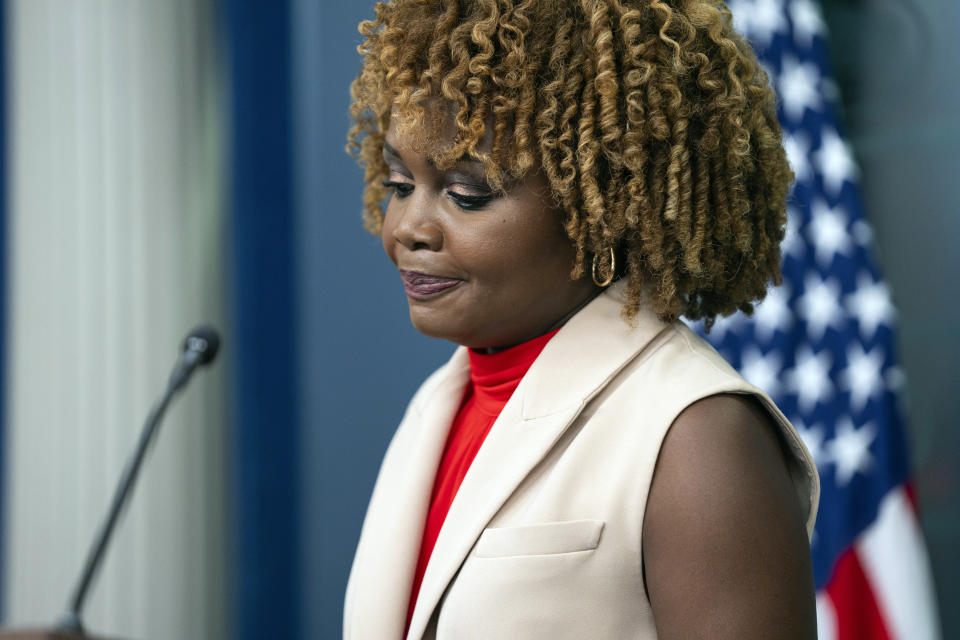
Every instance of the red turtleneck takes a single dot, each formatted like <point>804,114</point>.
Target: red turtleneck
<point>493,379</point>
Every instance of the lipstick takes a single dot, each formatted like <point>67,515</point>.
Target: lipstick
<point>421,286</point>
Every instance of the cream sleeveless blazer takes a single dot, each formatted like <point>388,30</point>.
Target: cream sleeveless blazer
<point>543,539</point>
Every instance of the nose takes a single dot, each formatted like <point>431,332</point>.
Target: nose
<point>416,226</point>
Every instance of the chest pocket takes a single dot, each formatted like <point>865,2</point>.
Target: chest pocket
<point>544,581</point>
<point>543,538</point>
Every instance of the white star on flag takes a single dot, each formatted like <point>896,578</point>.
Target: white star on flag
<point>861,232</point>
<point>870,304</point>
<point>834,161</point>
<point>762,370</point>
<point>797,147</point>
<point>741,10</point>
<point>849,450</point>
<point>820,305</point>
<point>810,378</point>
<point>773,313</point>
<point>799,84</point>
<point>767,19</point>
<point>807,22</point>
<point>828,230</point>
<point>792,242</point>
<point>727,323</point>
<point>813,439</point>
<point>862,376</point>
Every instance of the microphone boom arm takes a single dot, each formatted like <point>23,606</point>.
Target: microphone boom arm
<point>198,351</point>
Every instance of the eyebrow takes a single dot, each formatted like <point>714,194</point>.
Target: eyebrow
<point>388,148</point>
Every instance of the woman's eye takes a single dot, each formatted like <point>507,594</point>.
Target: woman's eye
<point>401,189</point>
<point>469,202</point>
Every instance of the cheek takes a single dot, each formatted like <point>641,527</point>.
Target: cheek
<point>519,261</point>
<point>541,245</point>
<point>386,236</point>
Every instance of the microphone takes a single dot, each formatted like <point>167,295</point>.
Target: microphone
<point>199,349</point>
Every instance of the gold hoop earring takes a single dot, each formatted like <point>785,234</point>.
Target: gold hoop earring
<point>613,268</point>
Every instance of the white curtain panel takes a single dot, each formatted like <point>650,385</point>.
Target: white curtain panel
<point>116,240</point>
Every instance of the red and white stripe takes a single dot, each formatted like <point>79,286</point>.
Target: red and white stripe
<point>881,588</point>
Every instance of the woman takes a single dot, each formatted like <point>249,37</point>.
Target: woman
<point>565,179</point>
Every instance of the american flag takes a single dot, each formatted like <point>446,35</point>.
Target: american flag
<point>822,345</point>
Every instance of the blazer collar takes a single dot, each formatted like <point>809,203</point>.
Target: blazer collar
<point>576,364</point>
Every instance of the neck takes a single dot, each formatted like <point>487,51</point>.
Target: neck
<point>594,292</point>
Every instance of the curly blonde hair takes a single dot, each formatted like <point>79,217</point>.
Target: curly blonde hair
<point>652,120</point>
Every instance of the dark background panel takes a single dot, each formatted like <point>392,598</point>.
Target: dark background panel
<point>263,298</point>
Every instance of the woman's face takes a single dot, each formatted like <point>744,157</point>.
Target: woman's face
<point>481,268</point>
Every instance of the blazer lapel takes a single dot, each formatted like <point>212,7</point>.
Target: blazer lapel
<point>380,583</point>
<point>573,367</point>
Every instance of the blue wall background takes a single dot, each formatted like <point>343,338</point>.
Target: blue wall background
<point>360,359</point>
<point>263,309</point>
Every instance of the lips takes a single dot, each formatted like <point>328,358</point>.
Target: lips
<point>422,286</point>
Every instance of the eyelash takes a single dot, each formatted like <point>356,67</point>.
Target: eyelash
<point>402,189</point>
<point>462,200</point>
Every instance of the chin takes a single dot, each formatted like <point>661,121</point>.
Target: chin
<point>434,325</point>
